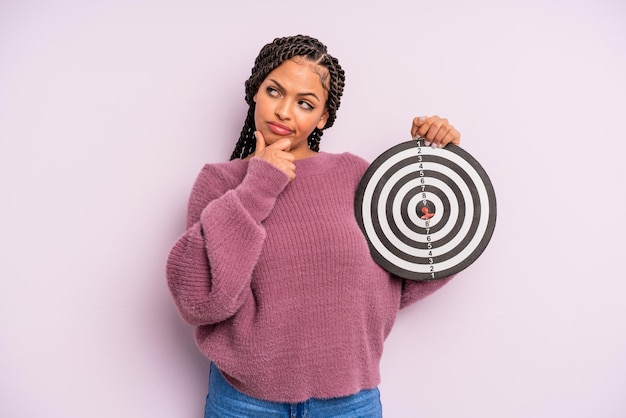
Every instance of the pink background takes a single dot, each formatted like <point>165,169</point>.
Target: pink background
<point>108,109</point>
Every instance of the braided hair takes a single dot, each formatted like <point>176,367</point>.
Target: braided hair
<point>271,56</point>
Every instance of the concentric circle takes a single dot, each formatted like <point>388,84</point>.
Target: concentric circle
<point>427,213</point>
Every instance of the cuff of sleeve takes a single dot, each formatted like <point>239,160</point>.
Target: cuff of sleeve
<point>260,188</point>
<point>413,291</point>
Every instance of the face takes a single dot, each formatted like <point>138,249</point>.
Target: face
<point>291,103</point>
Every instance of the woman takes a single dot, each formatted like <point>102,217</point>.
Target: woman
<point>273,269</point>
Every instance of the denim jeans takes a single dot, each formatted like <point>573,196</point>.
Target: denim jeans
<point>224,401</point>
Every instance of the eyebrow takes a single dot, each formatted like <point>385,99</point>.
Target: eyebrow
<point>299,94</point>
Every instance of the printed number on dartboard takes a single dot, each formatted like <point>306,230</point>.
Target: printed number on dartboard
<point>429,245</point>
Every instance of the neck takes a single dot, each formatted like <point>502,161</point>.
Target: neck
<point>305,153</point>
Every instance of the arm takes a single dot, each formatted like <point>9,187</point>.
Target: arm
<point>413,290</point>
<point>210,266</point>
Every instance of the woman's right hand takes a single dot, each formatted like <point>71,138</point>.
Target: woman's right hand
<point>277,154</point>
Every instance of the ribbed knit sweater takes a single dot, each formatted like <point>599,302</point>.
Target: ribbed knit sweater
<point>278,279</point>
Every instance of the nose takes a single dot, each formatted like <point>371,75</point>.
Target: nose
<point>282,110</point>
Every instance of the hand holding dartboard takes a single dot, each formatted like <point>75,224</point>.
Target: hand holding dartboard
<point>426,212</point>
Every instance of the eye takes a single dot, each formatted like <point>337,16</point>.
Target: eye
<point>272,92</point>
<point>306,105</point>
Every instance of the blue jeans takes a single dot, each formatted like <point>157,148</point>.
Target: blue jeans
<point>224,401</point>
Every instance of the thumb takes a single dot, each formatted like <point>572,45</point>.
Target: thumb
<point>260,142</point>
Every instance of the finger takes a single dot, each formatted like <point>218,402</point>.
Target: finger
<point>285,155</point>
<point>452,137</point>
<point>288,168</point>
<point>282,144</point>
<point>431,127</point>
<point>260,142</point>
<point>442,133</point>
<point>429,133</point>
<point>291,167</point>
<point>417,123</point>
<point>423,124</point>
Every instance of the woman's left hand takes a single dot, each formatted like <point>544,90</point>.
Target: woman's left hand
<point>436,131</point>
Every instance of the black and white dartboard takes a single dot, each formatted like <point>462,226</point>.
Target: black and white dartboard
<point>426,212</point>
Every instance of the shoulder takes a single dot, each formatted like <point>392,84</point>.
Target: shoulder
<point>354,159</point>
<point>217,178</point>
<point>224,170</point>
<point>346,169</point>
<point>348,162</point>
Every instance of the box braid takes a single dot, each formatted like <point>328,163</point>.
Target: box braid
<point>271,56</point>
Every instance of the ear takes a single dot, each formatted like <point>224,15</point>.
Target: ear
<point>323,120</point>
<point>254,97</point>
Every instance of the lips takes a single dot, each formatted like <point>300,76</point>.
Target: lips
<point>279,128</point>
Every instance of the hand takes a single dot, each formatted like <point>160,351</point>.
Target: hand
<point>436,131</point>
<point>277,154</point>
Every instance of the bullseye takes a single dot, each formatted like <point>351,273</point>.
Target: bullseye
<point>426,213</point>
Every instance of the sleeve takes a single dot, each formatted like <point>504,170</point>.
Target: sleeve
<point>210,267</point>
<point>413,291</point>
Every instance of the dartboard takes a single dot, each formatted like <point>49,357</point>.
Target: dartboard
<point>426,212</point>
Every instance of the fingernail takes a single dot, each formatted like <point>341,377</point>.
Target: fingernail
<point>422,119</point>
<point>427,143</point>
